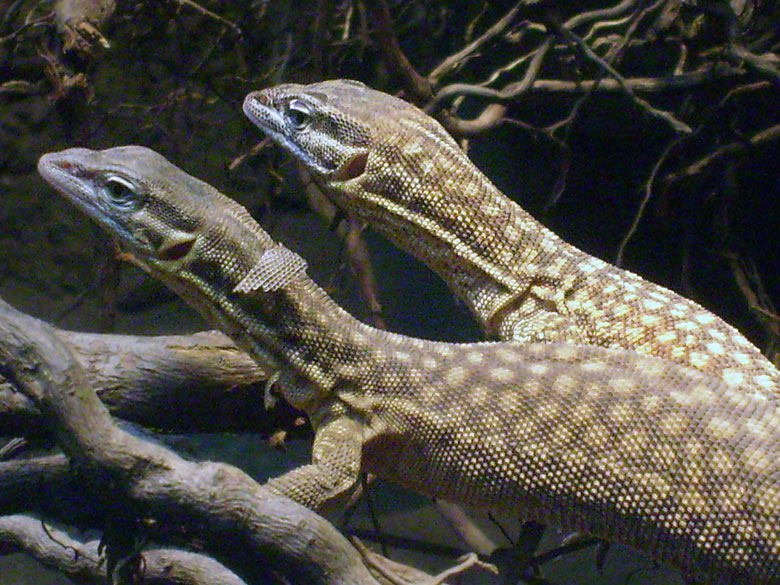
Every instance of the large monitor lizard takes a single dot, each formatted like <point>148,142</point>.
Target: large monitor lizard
<point>630,448</point>
<point>391,165</point>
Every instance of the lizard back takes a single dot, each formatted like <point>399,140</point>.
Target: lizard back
<point>396,168</point>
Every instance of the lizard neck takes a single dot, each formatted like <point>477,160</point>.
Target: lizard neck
<point>441,209</point>
<point>296,330</point>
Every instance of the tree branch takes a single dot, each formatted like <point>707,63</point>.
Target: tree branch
<point>198,382</point>
<point>239,522</point>
<point>65,550</point>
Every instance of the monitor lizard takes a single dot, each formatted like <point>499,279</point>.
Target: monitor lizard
<point>630,448</point>
<point>392,166</point>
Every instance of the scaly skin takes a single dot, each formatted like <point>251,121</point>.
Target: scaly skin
<point>626,447</point>
<point>391,165</point>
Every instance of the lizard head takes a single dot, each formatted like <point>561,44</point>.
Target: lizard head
<point>149,206</point>
<point>342,130</point>
<point>320,124</point>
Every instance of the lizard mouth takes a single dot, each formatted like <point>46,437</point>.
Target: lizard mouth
<point>257,107</point>
<point>70,179</point>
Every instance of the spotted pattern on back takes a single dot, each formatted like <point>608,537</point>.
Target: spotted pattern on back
<point>659,456</point>
<point>519,279</point>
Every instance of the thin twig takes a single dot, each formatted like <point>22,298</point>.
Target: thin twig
<point>643,204</point>
<point>723,153</point>
<point>679,126</point>
<point>456,59</point>
<point>210,14</point>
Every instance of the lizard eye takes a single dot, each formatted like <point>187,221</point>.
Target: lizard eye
<point>122,192</point>
<point>299,114</point>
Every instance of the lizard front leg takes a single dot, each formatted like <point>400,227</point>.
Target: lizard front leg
<point>328,483</point>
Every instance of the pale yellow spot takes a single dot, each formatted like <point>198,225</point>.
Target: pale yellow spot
<point>429,363</point>
<point>764,380</point>
<point>587,267</point>
<point>717,334</point>
<point>474,357</point>
<point>758,460</point>
<point>760,430</point>
<point>721,428</point>
<point>566,352</point>
<point>501,374</point>
<point>715,348</point>
<point>693,448</point>
<point>733,377</point>
<point>634,332</point>
<point>583,412</point>
<point>443,350</point>
<point>741,358</point>
<point>347,370</point>
<point>634,441</point>
<point>721,461</point>
<point>622,385</point>
<point>649,320</point>
<point>660,297</point>
<point>699,360</point>
<point>596,436</point>
<point>538,369</point>
<point>666,337</point>
<point>703,395</point>
<point>594,367</point>
<point>506,355</point>
<point>686,326</point>
<point>495,442</point>
<point>564,384</point>
<point>455,376</point>
<point>660,487</point>
<point>652,305</point>
<point>704,318</point>
<point>402,356</point>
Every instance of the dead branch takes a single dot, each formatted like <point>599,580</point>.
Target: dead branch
<point>239,522</point>
<point>73,554</point>
<point>722,154</point>
<point>199,382</point>
<point>679,126</point>
<point>457,59</point>
<point>420,87</point>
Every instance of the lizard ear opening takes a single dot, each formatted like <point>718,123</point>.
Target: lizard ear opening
<point>176,249</point>
<point>355,167</point>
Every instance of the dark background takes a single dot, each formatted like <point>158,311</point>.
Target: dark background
<point>175,75</point>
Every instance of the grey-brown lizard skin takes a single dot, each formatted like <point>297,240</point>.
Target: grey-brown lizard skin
<point>386,162</point>
<point>630,448</point>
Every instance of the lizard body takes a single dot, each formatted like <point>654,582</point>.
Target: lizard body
<point>391,165</point>
<point>634,449</point>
